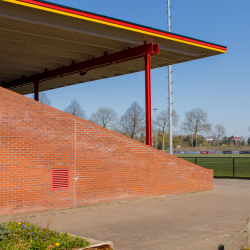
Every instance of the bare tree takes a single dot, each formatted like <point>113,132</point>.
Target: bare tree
<point>196,121</point>
<point>76,109</point>
<point>44,99</point>
<point>162,123</point>
<point>133,121</point>
<point>105,117</point>
<point>219,131</point>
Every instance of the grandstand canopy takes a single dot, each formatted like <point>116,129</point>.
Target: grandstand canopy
<point>38,36</point>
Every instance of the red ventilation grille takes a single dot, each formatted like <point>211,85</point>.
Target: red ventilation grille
<point>60,179</point>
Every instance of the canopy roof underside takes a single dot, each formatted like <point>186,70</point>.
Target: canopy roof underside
<point>34,39</point>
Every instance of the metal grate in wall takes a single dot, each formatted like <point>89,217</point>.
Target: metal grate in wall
<point>60,179</point>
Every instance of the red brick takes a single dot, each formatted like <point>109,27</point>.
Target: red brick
<point>36,138</point>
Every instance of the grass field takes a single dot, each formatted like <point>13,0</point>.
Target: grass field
<point>223,164</point>
<point>199,155</point>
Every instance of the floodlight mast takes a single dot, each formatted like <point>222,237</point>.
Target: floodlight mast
<point>170,91</point>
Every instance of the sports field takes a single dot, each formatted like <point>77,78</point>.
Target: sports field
<point>237,166</point>
<point>207,155</point>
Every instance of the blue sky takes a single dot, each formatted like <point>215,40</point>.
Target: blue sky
<point>218,85</point>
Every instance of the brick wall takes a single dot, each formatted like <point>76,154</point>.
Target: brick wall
<point>103,165</point>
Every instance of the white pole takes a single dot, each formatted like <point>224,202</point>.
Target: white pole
<point>170,92</point>
<point>155,130</point>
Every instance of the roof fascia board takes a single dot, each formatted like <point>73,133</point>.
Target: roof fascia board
<point>111,37</point>
<point>116,23</point>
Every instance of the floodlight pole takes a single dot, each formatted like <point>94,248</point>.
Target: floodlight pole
<point>170,92</point>
<point>155,131</point>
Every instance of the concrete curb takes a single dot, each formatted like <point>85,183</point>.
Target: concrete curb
<point>95,244</point>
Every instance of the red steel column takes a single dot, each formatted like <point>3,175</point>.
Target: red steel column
<point>36,86</point>
<point>148,99</point>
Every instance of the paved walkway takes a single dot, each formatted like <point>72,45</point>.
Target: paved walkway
<point>190,221</point>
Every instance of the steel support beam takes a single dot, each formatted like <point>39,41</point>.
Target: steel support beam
<point>146,51</point>
<point>36,91</point>
<point>106,60</point>
<point>148,99</point>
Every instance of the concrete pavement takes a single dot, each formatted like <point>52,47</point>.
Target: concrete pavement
<point>188,221</point>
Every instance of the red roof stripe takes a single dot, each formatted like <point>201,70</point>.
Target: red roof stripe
<point>121,23</point>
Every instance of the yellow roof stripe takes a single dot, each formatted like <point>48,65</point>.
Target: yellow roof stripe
<point>108,23</point>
